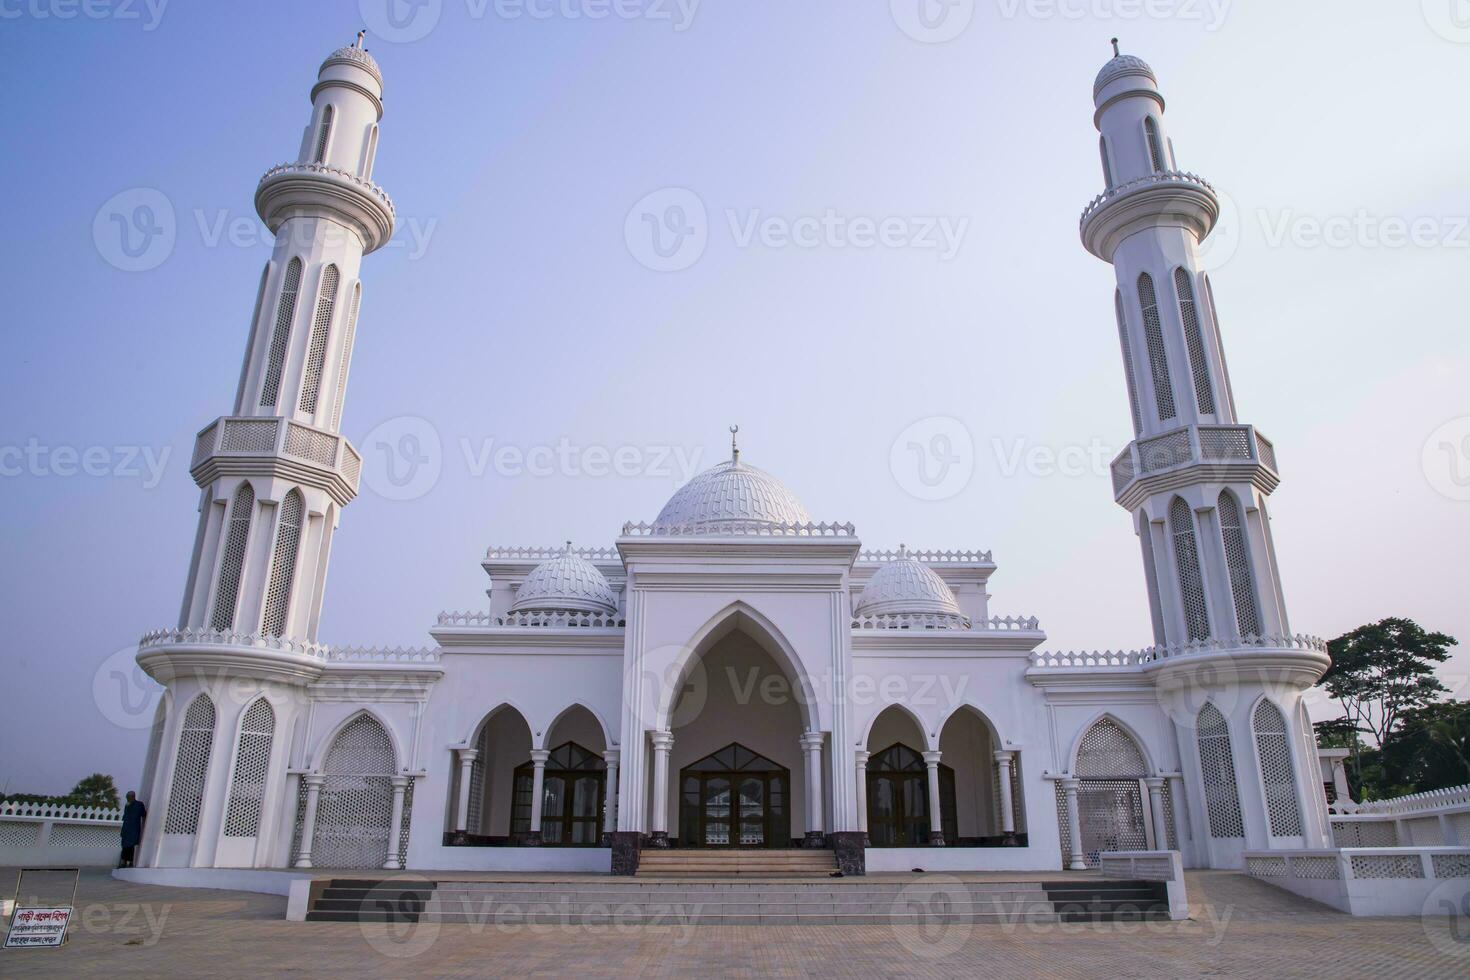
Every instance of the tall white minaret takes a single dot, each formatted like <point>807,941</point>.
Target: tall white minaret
<point>276,473</point>
<point>1195,479</point>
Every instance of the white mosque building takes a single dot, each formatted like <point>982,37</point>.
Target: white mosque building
<point>737,672</point>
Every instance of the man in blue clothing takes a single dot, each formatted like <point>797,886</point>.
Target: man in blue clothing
<point>134,813</point>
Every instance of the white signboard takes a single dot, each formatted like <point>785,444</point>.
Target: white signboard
<point>38,927</point>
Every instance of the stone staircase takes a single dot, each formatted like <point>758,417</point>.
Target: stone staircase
<point>798,862</point>
<point>919,902</point>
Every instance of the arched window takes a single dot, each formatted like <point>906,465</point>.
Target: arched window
<point>346,356</point>
<point>281,336</point>
<point>1204,394</point>
<point>1237,559</point>
<point>1102,147</point>
<point>1225,395</point>
<point>316,350</point>
<point>370,153</point>
<point>354,811</point>
<point>1153,335</point>
<point>1110,804</point>
<point>252,764</point>
<point>1128,362</point>
<point>323,135</point>
<point>734,797</point>
<point>1191,582</point>
<point>1217,767</point>
<point>232,558</point>
<point>898,799</point>
<point>191,768</point>
<point>1155,147</point>
<point>254,333</point>
<point>283,565</point>
<point>572,796</point>
<point>1278,777</point>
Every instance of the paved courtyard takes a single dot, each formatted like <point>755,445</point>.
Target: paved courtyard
<point>1240,928</point>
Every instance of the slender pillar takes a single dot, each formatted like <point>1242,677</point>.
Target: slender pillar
<point>1181,830</point>
<point>861,769</point>
<point>658,817</point>
<point>308,820</point>
<point>811,744</point>
<point>1003,761</point>
<point>1076,861</point>
<point>538,790</point>
<point>1155,786</point>
<point>395,824</point>
<point>610,794</point>
<point>466,768</point>
<point>936,818</point>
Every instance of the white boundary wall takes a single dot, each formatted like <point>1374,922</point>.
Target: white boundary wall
<point>1370,880</point>
<point>1165,866</point>
<point>52,834</point>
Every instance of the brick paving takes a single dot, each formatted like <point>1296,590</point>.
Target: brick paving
<point>1240,928</point>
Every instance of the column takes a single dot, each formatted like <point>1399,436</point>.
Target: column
<point>1340,782</point>
<point>395,823</point>
<point>466,768</point>
<point>658,817</point>
<point>1076,861</point>
<point>936,819</point>
<point>538,789</point>
<point>861,768</point>
<point>1003,762</point>
<point>1155,786</point>
<point>610,793</point>
<point>1182,833</point>
<point>308,820</point>
<point>811,744</point>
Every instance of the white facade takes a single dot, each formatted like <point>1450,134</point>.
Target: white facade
<point>738,671</point>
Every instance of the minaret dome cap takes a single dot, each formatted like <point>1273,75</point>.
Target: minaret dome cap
<point>1123,66</point>
<point>355,55</point>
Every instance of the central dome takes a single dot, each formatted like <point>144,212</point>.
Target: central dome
<point>567,583</point>
<point>733,492</point>
<point>906,587</point>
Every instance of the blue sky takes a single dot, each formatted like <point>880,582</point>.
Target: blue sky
<point>511,310</point>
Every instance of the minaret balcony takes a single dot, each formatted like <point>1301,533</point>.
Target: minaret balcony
<point>1193,454</point>
<point>277,446</point>
<point>1169,198</point>
<point>314,190</point>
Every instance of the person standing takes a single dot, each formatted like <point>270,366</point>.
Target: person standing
<point>134,813</point>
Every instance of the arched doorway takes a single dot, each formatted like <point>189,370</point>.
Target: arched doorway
<point>898,798</point>
<point>572,794</point>
<point>1110,795</point>
<point>356,802</point>
<point>501,743</point>
<point>735,798</point>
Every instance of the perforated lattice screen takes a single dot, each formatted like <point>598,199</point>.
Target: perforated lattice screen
<point>1108,752</point>
<point>1127,362</point>
<point>1277,776</point>
<point>356,802</point>
<point>1153,335</point>
<point>275,362</point>
<point>316,350</point>
<point>1111,816</point>
<point>248,436</point>
<point>323,135</point>
<point>1155,145</point>
<point>283,566</point>
<point>191,768</point>
<point>232,558</point>
<point>1217,765</point>
<point>319,447</point>
<point>18,833</point>
<point>477,782</point>
<point>1204,392</point>
<point>346,357</point>
<point>1237,559</point>
<point>252,763</point>
<point>1220,442</point>
<point>1191,582</point>
<point>84,835</point>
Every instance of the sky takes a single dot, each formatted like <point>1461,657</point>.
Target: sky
<point>525,329</point>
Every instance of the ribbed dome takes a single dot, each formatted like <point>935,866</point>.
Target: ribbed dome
<point>906,587</point>
<point>354,55</point>
<point>1123,64</point>
<point>732,492</point>
<point>567,583</point>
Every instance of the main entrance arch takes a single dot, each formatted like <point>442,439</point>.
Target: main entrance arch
<point>735,798</point>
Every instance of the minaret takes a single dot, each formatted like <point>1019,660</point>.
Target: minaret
<point>276,472</point>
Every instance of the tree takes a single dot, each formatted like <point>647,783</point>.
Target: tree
<point>1431,749</point>
<point>1383,669</point>
<point>96,790</point>
<point>1338,733</point>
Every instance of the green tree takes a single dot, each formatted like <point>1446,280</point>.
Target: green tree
<point>1431,749</point>
<point>95,790</point>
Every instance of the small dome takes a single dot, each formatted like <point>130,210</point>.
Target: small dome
<point>567,583</point>
<point>732,492</point>
<point>906,587</point>
<point>353,55</point>
<point>1121,65</point>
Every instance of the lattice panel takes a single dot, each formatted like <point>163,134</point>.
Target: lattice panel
<point>1424,832</point>
<point>1451,865</point>
<point>1268,454</point>
<point>84,835</point>
<point>1237,559</point>
<point>1066,832</point>
<point>1216,442</point>
<point>1108,752</point>
<point>316,350</point>
<point>1204,392</point>
<point>248,436</point>
<point>300,821</point>
<point>1278,778</point>
<point>1191,582</point>
<point>191,768</point>
<point>1165,451</point>
<point>19,833</point>
<point>1111,816</point>
<point>1128,362</point>
<point>319,447</point>
<point>1317,868</point>
<point>252,764</point>
<point>1387,866</point>
<point>346,357</point>
<point>1461,823</point>
<point>1365,833</point>
<point>283,566</point>
<point>1217,766</point>
<point>407,822</point>
<point>232,559</point>
<point>356,801</point>
<point>323,135</point>
<point>1153,335</point>
<point>1266,867</point>
<point>1155,145</point>
<point>474,823</point>
<point>1169,836</point>
<point>275,363</point>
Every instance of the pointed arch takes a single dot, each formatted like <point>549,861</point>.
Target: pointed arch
<point>356,798</point>
<point>1109,748</point>
<point>252,769</point>
<point>545,740</point>
<point>1217,770</point>
<point>324,134</point>
<point>1278,775</point>
<point>275,362</point>
<point>1102,149</point>
<point>1155,145</point>
<point>316,350</point>
<point>1238,563</point>
<point>370,153</point>
<point>1158,358</point>
<point>318,760</point>
<point>283,565</point>
<point>1194,339</point>
<point>232,558</point>
<point>1191,579</point>
<point>191,767</point>
<point>927,743</point>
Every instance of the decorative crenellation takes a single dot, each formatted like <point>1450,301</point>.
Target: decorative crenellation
<point>421,655</point>
<point>740,527</point>
<point>1434,799</point>
<point>541,620</point>
<point>928,557</point>
<point>1162,177</point>
<point>1091,659</point>
<point>532,553</point>
<point>918,621</point>
<point>285,644</point>
<point>362,183</point>
<point>60,811</point>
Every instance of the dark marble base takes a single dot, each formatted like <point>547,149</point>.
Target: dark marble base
<point>847,847</point>
<point>659,838</point>
<point>625,847</point>
<point>531,838</point>
<point>936,840</point>
<point>814,839</point>
<point>1010,840</point>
